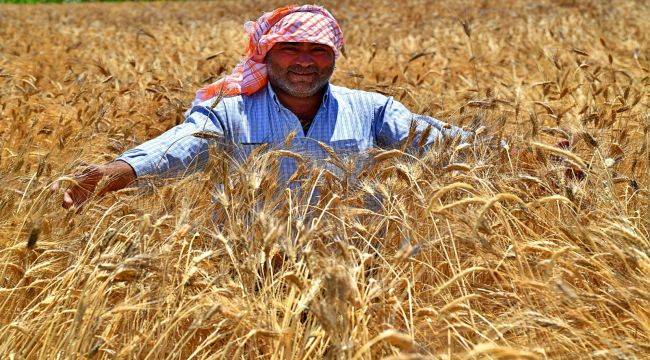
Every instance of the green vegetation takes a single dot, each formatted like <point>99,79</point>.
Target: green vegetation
<point>54,1</point>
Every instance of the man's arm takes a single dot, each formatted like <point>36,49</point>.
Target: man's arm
<point>177,151</point>
<point>394,121</point>
<point>174,152</point>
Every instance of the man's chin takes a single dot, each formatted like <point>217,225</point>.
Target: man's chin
<point>301,94</point>
<point>303,91</point>
<point>298,88</point>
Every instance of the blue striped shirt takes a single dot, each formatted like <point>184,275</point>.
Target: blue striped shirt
<point>349,121</point>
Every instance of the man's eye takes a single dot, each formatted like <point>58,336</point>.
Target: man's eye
<point>322,51</point>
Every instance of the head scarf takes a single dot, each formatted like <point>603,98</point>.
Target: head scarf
<point>307,23</point>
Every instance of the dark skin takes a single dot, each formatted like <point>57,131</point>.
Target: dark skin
<point>304,111</point>
<point>118,175</point>
<point>301,67</point>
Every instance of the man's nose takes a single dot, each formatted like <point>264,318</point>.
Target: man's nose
<point>304,59</point>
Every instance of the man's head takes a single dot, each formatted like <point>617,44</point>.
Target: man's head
<point>300,69</point>
<point>293,47</point>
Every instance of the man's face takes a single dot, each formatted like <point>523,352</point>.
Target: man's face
<point>299,69</point>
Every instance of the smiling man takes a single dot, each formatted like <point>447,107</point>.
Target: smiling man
<point>281,86</point>
<point>299,73</point>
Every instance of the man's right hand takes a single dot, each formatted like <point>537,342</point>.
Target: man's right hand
<point>118,173</point>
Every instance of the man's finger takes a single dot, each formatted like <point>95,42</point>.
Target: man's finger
<point>67,199</point>
<point>55,186</point>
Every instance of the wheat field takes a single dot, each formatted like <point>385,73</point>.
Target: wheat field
<point>539,250</point>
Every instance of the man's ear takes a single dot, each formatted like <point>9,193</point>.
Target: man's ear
<point>266,56</point>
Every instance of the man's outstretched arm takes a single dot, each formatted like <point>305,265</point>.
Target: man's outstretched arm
<point>393,124</point>
<point>177,151</point>
<point>172,153</point>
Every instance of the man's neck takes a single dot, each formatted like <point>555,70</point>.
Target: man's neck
<point>305,108</point>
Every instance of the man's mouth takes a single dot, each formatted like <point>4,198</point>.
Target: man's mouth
<point>302,77</point>
<point>305,74</point>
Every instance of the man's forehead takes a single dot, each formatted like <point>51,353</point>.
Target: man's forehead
<point>297,43</point>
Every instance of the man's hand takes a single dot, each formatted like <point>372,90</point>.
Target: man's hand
<point>118,175</point>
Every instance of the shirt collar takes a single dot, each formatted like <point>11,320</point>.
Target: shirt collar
<point>278,105</point>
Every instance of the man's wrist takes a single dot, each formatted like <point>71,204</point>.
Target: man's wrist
<point>117,167</point>
<point>119,174</point>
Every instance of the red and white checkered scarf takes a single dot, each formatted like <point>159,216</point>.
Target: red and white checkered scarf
<point>307,23</point>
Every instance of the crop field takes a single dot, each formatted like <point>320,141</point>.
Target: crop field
<point>536,250</point>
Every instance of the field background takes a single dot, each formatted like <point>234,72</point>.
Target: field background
<point>536,251</point>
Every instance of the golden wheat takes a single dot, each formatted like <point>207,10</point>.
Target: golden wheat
<point>535,250</point>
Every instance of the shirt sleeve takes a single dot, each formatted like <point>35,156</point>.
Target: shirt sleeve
<point>178,151</point>
<point>394,122</point>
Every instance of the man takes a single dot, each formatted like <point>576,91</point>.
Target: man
<point>281,86</point>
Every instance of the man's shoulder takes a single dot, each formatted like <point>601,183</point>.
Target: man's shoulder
<point>357,94</point>
<point>342,93</point>
<point>225,101</point>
